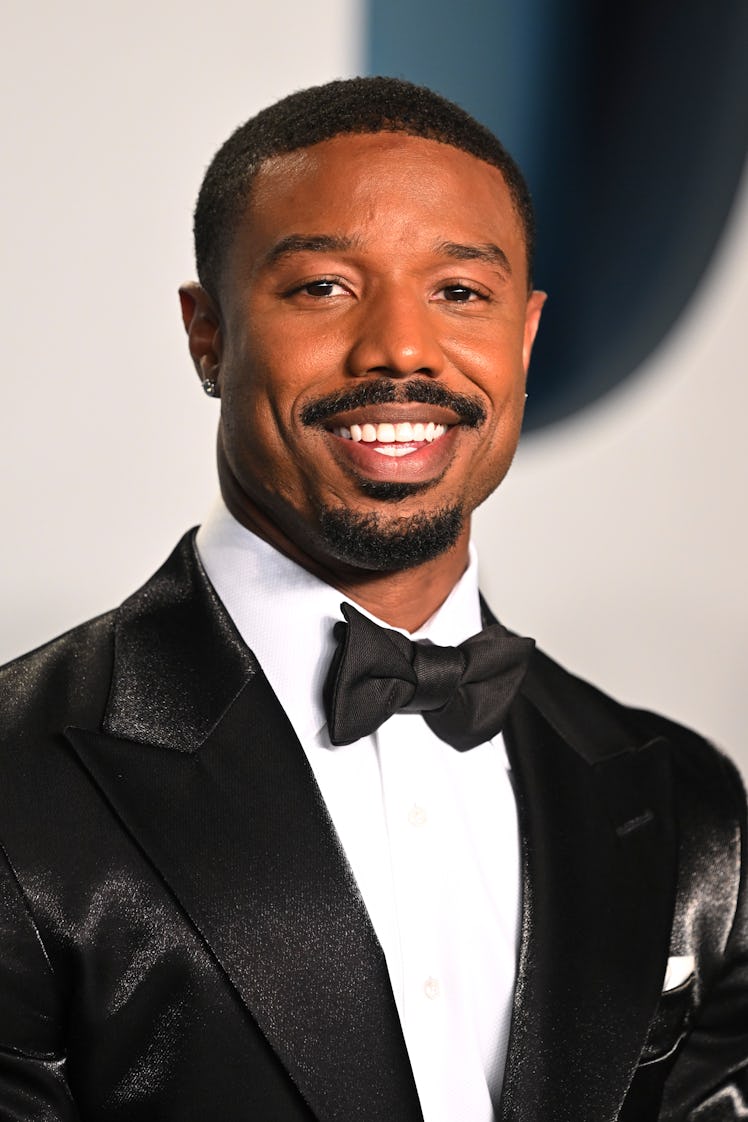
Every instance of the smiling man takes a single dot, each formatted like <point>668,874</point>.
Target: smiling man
<point>300,831</point>
<point>371,361</point>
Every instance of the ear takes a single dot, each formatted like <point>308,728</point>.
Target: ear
<point>534,307</point>
<point>202,323</point>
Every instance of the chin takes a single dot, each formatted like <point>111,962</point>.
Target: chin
<point>383,543</point>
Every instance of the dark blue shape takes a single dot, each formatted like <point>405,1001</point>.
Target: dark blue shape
<point>631,124</point>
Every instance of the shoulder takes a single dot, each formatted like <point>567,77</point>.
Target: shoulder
<point>601,727</point>
<point>59,682</point>
<point>67,681</point>
<point>694,790</point>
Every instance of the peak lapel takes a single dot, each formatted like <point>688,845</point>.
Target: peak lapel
<point>599,882</point>
<point>203,769</point>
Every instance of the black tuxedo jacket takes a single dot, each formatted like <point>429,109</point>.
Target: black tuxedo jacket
<point>181,937</point>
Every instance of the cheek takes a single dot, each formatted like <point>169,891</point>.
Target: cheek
<point>255,397</point>
<point>271,454</point>
<point>490,354</point>
<point>252,435</point>
<point>499,443</point>
<point>499,435</point>
<point>276,373</point>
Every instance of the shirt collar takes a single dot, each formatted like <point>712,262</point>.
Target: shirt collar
<point>286,615</point>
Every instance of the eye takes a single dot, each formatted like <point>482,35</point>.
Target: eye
<point>461,294</point>
<point>321,289</point>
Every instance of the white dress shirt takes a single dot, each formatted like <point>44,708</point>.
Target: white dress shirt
<point>430,833</point>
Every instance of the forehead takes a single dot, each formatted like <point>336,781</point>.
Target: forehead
<point>382,186</point>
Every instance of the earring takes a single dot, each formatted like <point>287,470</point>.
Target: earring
<point>210,387</point>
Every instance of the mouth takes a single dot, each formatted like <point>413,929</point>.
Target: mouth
<point>408,443</point>
<point>395,439</point>
<point>408,435</point>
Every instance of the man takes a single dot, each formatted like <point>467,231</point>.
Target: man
<point>265,858</point>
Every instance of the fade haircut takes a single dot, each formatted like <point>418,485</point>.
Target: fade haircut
<point>355,105</point>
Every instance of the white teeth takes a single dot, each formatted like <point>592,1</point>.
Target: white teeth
<point>392,434</point>
<point>394,449</point>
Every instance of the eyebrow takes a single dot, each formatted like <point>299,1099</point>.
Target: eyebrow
<point>488,252</point>
<point>308,243</point>
<point>339,243</point>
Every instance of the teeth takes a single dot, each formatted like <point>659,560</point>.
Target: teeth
<point>385,433</point>
<point>394,449</point>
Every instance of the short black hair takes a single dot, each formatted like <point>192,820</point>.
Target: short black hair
<point>353,105</point>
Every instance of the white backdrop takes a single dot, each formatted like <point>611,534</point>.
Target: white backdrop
<point>619,540</point>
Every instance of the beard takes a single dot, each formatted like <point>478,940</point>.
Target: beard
<point>386,544</point>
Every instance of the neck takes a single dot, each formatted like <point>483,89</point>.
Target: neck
<point>405,598</point>
<point>408,598</point>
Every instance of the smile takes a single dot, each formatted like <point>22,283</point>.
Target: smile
<point>400,439</point>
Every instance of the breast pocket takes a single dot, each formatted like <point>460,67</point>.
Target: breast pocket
<point>670,1023</point>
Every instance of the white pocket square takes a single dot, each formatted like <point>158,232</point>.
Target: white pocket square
<point>679,970</point>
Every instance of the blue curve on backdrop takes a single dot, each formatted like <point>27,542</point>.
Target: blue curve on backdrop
<point>631,124</point>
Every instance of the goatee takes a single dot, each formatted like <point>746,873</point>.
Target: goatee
<point>386,544</point>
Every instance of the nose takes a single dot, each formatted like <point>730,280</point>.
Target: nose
<point>395,337</point>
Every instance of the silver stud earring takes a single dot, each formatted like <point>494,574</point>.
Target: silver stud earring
<point>209,387</point>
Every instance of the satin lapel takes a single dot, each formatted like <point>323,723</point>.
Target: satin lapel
<point>224,804</point>
<point>599,882</point>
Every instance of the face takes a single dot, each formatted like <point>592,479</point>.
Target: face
<point>370,349</point>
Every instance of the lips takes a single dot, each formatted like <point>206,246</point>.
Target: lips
<point>404,434</point>
<point>398,443</point>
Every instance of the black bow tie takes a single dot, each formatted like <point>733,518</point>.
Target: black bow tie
<point>463,692</point>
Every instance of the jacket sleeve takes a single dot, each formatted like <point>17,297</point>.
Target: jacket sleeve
<point>33,1085</point>
<point>709,1082</point>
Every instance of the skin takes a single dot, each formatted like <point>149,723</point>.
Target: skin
<point>403,286</point>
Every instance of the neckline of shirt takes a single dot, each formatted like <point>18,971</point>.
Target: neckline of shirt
<point>278,607</point>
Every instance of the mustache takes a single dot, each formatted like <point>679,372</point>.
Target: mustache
<point>384,391</point>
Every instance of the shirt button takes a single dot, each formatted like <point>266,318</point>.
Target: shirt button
<point>417,815</point>
<point>431,988</point>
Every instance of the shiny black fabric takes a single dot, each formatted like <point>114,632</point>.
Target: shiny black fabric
<point>463,692</point>
<point>182,941</point>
